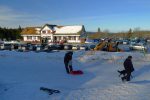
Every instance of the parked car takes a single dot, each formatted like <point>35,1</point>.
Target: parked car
<point>60,47</point>
<point>16,46</point>
<point>125,42</point>
<point>52,47</point>
<point>2,47</point>
<point>75,47</point>
<point>83,47</point>
<point>47,48</point>
<point>138,46</point>
<point>30,47</point>
<point>119,41</point>
<point>143,42</point>
<point>132,42</point>
<point>68,47</point>
<point>38,48</point>
<point>22,47</point>
<point>92,46</point>
<point>7,46</point>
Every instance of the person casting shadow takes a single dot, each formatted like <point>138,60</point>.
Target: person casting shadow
<point>68,61</point>
<point>128,69</point>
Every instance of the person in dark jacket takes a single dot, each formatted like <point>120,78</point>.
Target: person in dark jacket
<point>116,47</point>
<point>128,68</point>
<point>68,61</point>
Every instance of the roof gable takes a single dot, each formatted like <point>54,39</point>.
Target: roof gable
<point>48,27</point>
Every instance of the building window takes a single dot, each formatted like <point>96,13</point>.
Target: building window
<point>29,37</point>
<point>34,38</point>
<point>39,37</point>
<point>59,38</point>
<point>74,38</point>
<point>79,38</point>
<point>69,37</point>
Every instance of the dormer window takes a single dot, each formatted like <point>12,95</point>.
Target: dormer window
<point>43,32</point>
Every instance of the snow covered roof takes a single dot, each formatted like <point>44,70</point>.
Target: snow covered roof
<point>68,29</point>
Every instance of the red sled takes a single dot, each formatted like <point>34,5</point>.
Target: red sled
<point>76,72</point>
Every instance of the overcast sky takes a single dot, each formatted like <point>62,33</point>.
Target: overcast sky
<point>114,15</point>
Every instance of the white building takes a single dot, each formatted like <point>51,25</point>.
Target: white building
<point>54,33</point>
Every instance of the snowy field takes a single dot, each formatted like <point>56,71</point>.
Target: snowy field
<point>23,73</point>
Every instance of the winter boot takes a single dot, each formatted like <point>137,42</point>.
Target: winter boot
<point>123,79</point>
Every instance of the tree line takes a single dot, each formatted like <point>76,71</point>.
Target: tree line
<point>128,34</point>
<point>10,33</point>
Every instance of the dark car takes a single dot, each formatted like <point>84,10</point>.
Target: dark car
<point>68,47</point>
<point>7,46</point>
<point>92,46</point>
<point>22,47</point>
<point>60,47</point>
<point>52,47</point>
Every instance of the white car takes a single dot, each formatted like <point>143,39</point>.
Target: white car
<point>137,46</point>
<point>125,42</point>
<point>75,47</point>
<point>2,47</point>
<point>67,47</point>
<point>83,47</point>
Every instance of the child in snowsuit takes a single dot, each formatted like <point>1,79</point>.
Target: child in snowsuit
<point>128,68</point>
<point>68,61</point>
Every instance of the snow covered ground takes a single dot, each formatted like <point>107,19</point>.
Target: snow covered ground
<point>23,73</point>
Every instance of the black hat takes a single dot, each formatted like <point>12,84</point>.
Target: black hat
<point>129,56</point>
<point>70,52</point>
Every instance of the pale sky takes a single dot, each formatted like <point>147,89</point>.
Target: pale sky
<point>114,15</point>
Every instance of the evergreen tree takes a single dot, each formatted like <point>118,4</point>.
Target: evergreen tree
<point>19,29</point>
<point>10,34</point>
<point>99,30</point>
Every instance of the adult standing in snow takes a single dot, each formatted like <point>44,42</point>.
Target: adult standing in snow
<point>108,45</point>
<point>128,68</point>
<point>116,47</point>
<point>68,61</point>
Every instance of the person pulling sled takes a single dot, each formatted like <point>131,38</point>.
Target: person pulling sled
<point>68,62</point>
